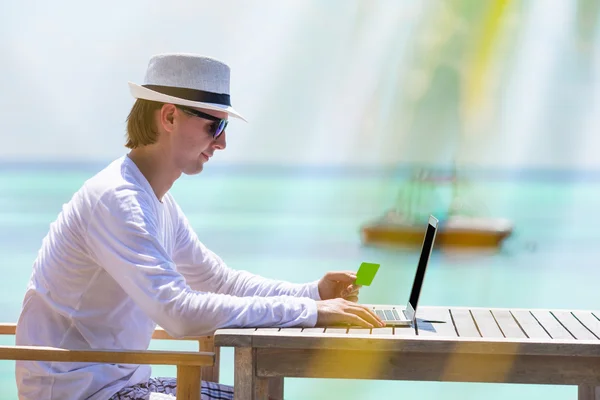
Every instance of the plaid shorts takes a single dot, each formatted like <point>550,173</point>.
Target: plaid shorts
<point>166,388</point>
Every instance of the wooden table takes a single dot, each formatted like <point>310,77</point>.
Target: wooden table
<point>471,345</point>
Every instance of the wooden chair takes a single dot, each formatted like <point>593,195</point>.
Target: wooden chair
<point>192,367</point>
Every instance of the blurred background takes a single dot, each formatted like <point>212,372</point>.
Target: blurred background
<point>345,99</point>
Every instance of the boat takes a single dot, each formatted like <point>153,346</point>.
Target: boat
<point>462,227</point>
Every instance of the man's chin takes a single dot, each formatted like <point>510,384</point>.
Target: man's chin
<point>194,171</point>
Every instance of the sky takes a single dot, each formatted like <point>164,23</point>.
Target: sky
<point>342,82</point>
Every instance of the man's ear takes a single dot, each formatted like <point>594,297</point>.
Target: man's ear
<point>167,117</point>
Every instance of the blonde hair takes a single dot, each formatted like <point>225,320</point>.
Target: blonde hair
<point>141,130</point>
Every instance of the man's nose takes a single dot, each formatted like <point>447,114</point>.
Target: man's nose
<point>221,142</point>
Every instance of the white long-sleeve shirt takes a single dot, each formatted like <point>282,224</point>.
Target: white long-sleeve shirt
<point>117,262</point>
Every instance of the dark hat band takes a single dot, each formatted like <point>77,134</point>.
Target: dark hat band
<point>192,94</point>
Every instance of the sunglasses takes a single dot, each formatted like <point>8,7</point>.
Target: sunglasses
<point>216,129</point>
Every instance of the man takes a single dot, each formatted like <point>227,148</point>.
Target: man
<point>121,256</point>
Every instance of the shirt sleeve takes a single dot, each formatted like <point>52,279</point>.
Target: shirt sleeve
<point>205,271</point>
<point>122,235</point>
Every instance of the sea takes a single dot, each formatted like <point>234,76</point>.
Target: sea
<point>296,223</point>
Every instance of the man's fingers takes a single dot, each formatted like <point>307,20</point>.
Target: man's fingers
<point>358,321</point>
<point>370,317</point>
<point>363,312</point>
<point>374,314</point>
<point>352,296</point>
<point>351,290</point>
<point>341,276</point>
<point>336,311</point>
<point>367,314</point>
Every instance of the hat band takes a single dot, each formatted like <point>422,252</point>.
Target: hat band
<point>192,94</point>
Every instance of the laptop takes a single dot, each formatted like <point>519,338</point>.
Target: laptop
<point>398,316</point>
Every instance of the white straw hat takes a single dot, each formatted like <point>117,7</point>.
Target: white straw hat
<point>188,80</point>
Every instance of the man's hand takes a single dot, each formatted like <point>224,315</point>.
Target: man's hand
<point>344,312</point>
<point>339,285</point>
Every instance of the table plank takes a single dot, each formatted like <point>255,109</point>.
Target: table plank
<point>551,325</point>
<point>572,324</point>
<point>289,330</point>
<point>404,331</point>
<point>313,330</point>
<point>463,321</point>
<point>441,344</point>
<point>455,367</point>
<point>336,331</point>
<point>426,328</point>
<point>241,337</point>
<point>380,331</point>
<point>530,325</point>
<point>359,331</point>
<point>590,321</point>
<point>508,325</point>
<point>486,323</point>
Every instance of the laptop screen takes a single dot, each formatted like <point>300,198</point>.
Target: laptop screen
<point>423,260</point>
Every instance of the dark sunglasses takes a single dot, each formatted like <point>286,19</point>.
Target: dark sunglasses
<point>216,129</point>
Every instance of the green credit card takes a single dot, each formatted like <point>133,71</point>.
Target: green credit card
<point>366,273</point>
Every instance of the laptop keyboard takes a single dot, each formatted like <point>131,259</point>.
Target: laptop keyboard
<point>389,314</point>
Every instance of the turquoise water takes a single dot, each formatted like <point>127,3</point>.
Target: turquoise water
<point>298,226</point>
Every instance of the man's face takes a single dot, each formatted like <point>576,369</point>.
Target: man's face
<point>192,140</point>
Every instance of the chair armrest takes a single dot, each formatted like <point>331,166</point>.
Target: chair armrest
<point>160,334</point>
<point>205,344</point>
<point>157,357</point>
<point>189,364</point>
<point>8,328</point>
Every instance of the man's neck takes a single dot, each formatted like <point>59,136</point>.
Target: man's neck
<point>156,169</point>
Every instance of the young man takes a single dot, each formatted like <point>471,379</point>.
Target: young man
<point>121,256</point>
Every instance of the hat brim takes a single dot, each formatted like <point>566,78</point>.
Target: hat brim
<point>140,92</point>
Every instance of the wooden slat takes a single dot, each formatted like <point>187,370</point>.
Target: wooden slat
<point>275,388</point>
<point>234,337</point>
<point>552,326</point>
<point>248,386</point>
<point>588,392</point>
<point>383,331</point>
<point>8,328</point>
<point>205,343</point>
<point>436,328</point>
<point>375,331</point>
<point>161,334</point>
<point>313,330</point>
<point>429,345</point>
<point>189,380</point>
<point>407,366</point>
<point>158,357</point>
<point>496,309</point>
<point>404,331</point>
<point>573,325</point>
<point>589,320</point>
<point>486,323</point>
<point>336,331</point>
<point>284,330</point>
<point>211,373</point>
<point>507,324</point>
<point>530,325</point>
<point>463,321</point>
<point>158,334</point>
